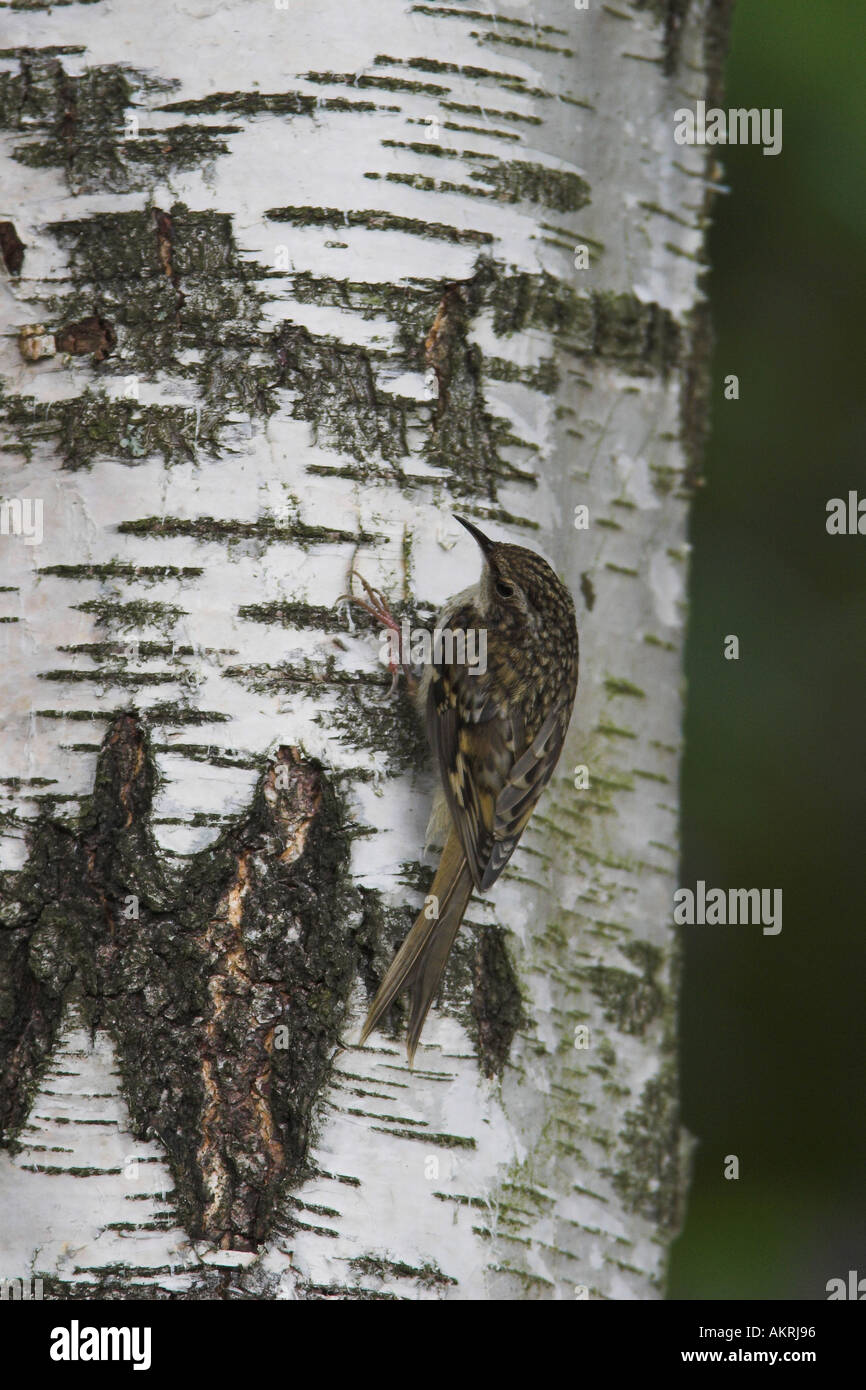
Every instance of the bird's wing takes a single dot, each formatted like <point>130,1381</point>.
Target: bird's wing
<point>526,781</point>
<point>490,785</point>
<point>473,745</point>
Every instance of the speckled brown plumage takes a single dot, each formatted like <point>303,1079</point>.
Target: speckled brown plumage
<point>496,737</point>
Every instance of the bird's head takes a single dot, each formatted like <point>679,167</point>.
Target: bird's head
<point>517,585</point>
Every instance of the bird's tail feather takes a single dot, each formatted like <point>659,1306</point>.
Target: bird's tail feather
<point>420,961</point>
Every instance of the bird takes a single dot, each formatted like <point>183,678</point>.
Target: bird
<point>496,735</point>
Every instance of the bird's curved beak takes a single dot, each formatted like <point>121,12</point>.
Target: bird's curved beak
<point>485,544</point>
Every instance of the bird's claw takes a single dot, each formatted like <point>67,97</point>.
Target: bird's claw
<point>377,606</point>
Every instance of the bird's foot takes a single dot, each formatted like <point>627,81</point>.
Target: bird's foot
<point>377,606</point>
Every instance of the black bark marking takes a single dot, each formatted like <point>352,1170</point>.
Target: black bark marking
<point>672,15</point>
<point>254,936</point>
<point>12,248</point>
<point>497,1009</point>
<point>93,336</point>
<point>78,124</point>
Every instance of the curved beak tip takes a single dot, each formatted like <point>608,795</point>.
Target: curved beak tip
<point>473,530</point>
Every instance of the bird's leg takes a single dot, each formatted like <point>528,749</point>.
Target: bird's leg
<point>376,605</point>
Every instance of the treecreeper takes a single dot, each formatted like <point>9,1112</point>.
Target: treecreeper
<point>496,730</point>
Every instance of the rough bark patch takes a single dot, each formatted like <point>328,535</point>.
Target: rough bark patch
<point>224,984</point>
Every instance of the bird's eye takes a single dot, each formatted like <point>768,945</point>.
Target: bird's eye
<point>504,589</point>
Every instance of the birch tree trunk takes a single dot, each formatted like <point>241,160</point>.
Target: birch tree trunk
<point>297,282</point>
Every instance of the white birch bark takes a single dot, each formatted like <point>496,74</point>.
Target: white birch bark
<point>341,168</point>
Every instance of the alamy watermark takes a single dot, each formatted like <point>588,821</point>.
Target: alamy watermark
<point>77,1343</point>
<point>22,516</point>
<point>710,907</point>
<point>854,1288</point>
<point>20,1289</point>
<point>846,516</point>
<point>738,126</point>
<point>443,646</point>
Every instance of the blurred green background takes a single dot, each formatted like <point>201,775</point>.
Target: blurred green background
<point>774,780</point>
